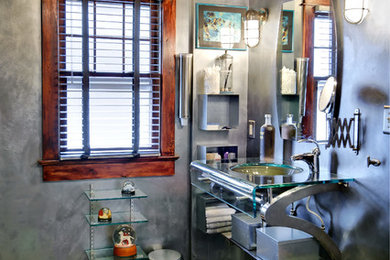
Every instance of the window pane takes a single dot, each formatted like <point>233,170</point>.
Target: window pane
<point>109,20</point>
<point>111,96</point>
<point>321,121</point>
<point>322,62</point>
<point>73,54</point>
<point>146,109</point>
<point>109,55</point>
<point>73,23</point>
<point>111,112</point>
<point>72,114</point>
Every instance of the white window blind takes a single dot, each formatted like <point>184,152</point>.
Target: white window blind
<point>324,64</point>
<point>109,77</point>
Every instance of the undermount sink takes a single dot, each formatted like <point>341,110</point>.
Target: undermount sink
<point>265,169</point>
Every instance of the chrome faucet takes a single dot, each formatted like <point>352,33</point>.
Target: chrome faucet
<point>312,159</point>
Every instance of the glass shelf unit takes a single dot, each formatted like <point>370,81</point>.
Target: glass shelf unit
<point>98,195</point>
<point>132,216</point>
<point>247,193</point>
<point>107,254</point>
<point>118,218</point>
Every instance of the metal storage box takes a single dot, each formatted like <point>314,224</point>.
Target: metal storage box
<point>244,230</point>
<point>282,243</point>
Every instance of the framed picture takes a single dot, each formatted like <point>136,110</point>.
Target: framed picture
<point>287,30</point>
<point>220,27</point>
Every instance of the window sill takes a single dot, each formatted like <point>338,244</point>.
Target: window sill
<point>57,170</point>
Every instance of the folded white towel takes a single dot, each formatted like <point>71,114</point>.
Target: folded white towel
<point>216,206</point>
<point>219,212</point>
<point>218,219</point>
<point>218,230</point>
<point>219,224</point>
<point>288,81</point>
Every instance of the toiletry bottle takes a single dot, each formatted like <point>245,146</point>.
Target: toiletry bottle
<point>267,140</point>
<point>288,132</point>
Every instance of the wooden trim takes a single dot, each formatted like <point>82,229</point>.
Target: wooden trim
<point>308,119</point>
<point>168,78</point>
<point>53,168</point>
<point>50,138</point>
<point>316,2</point>
<point>110,168</point>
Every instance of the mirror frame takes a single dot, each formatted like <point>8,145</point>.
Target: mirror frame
<point>307,128</point>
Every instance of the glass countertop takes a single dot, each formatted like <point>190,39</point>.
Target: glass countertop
<point>247,184</point>
<point>258,181</point>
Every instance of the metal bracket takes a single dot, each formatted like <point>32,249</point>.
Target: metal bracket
<point>274,214</point>
<point>340,132</point>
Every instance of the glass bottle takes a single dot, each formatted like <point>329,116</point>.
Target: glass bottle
<point>225,62</point>
<point>288,132</point>
<point>267,140</point>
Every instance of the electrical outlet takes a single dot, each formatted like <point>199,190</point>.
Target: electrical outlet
<point>386,119</point>
<point>251,129</point>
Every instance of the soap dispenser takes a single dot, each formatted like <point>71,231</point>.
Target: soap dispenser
<point>267,140</point>
<point>288,132</point>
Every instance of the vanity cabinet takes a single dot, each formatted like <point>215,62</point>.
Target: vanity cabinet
<point>131,216</point>
<point>266,196</point>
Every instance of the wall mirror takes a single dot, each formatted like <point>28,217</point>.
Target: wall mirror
<point>308,29</point>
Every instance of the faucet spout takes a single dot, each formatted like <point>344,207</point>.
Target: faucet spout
<point>312,158</point>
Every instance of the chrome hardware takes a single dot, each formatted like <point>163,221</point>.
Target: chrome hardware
<point>373,162</point>
<point>274,214</point>
<point>312,159</point>
<point>340,132</point>
<point>184,71</point>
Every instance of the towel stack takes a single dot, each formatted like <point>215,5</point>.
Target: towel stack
<point>288,81</point>
<point>218,218</point>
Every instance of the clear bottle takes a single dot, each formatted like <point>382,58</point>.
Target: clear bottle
<point>288,132</point>
<point>225,62</point>
<point>267,140</point>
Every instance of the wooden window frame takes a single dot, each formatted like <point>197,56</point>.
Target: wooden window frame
<point>55,169</point>
<point>308,121</point>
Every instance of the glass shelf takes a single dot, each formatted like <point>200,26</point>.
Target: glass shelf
<point>97,195</point>
<point>118,218</point>
<point>248,193</point>
<point>108,254</point>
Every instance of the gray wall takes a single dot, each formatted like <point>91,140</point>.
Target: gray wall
<point>358,220</point>
<point>41,220</point>
<point>45,220</point>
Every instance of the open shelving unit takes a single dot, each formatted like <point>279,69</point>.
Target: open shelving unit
<point>132,216</point>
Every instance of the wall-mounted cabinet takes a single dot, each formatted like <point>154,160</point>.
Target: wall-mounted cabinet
<point>218,112</point>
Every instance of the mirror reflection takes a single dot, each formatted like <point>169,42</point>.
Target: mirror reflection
<point>307,30</point>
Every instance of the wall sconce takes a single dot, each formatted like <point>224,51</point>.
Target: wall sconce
<point>253,21</point>
<point>355,11</point>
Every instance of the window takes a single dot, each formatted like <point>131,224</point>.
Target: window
<point>319,45</point>
<point>324,65</point>
<point>108,88</point>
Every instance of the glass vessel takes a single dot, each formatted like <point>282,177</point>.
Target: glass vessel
<point>267,140</point>
<point>124,241</point>
<point>225,62</point>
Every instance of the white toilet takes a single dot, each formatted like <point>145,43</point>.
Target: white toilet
<point>164,254</point>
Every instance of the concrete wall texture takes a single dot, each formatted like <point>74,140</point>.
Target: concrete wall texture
<point>46,220</point>
<point>358,219</point>
<point>41,220</point>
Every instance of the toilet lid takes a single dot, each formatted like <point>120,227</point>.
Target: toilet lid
<point>164,254</point>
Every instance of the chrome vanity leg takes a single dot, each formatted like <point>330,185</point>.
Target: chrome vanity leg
<point>275,214</point>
